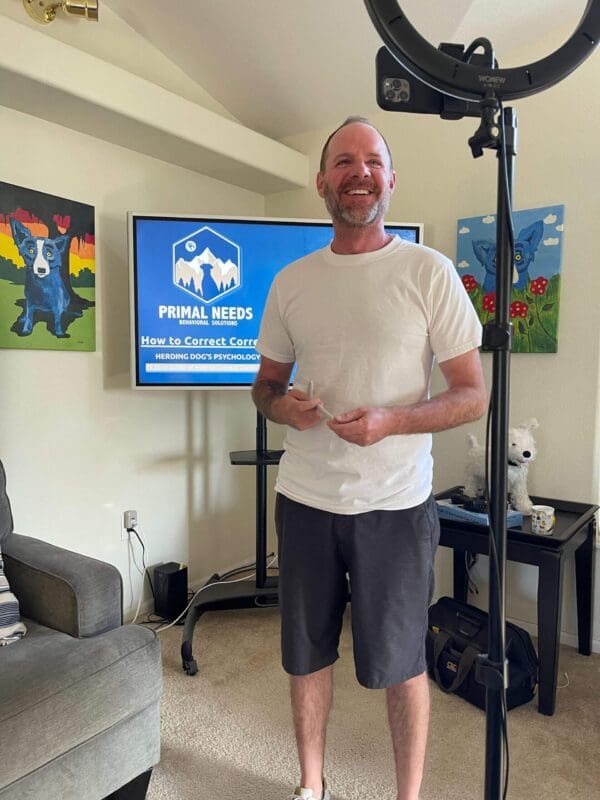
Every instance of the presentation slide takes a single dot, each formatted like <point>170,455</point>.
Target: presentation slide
<point>199,287</point>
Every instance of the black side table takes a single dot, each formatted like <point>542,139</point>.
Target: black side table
<point>574,533</point>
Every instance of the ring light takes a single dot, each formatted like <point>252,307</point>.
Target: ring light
<point>479,85</point>
<point>468,81</point>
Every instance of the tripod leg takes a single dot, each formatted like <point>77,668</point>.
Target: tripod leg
<point>187,661</point>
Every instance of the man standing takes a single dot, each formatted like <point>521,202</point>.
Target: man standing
<point>363,320</point>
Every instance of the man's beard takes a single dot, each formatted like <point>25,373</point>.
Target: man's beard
<point>355,217</point>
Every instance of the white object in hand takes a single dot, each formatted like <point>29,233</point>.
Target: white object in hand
<point>320,408</point>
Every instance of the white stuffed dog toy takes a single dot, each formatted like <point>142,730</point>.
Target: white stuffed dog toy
<point>521,452</point>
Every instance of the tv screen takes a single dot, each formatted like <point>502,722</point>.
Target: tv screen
<point>198,288</point>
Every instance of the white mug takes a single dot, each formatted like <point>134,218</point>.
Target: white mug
<point>542,519</point>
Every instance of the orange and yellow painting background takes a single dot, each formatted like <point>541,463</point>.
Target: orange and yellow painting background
<point>47,216</point>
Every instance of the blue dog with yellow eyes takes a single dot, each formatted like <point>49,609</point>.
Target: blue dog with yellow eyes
<point>45,289</point>
<point>525,248</point>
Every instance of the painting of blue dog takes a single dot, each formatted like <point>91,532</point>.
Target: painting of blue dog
<point>537,266</point>
<point>47,271</point>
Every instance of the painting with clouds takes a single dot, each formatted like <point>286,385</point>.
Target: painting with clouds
<point>537,263</point>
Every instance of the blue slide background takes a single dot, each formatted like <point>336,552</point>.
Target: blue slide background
<point>264,248</point>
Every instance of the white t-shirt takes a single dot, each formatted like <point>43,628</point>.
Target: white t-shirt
<point>365,329</point>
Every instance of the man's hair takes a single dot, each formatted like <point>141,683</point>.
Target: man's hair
<point>351,121</point>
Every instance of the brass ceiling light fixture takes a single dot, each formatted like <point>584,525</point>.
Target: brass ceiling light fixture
<point>44,11</point>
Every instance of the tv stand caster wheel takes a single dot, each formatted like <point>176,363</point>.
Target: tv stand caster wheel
<point>190,667</point>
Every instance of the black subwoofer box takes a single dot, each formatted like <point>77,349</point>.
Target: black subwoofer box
<point>170,589</point>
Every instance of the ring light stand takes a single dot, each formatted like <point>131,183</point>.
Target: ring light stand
<point>472,84</point>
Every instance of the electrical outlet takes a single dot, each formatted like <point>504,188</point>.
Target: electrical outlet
<point>129,522</point>
<point>129,519</point>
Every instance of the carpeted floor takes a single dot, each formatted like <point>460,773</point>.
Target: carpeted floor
<point>226,732</point>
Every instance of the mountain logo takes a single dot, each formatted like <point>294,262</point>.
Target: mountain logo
<point>207,265</point>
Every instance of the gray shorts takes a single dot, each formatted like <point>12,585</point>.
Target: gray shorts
<point>388,556</point>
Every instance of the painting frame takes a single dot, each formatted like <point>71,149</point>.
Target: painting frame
<point>537,270</point>
<point>47,271</point>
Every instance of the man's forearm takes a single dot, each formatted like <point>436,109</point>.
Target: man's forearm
<point>446,410</point>
<point>366,426</point>
<point>264,395</point>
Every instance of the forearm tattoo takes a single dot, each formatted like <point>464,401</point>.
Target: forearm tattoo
<point>263,394</point>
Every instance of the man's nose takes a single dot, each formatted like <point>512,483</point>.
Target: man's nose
<point>363,170</point>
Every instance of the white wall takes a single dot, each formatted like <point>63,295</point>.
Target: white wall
<point>80,445</point>
<point>438,182</point>
<point>115,42</point>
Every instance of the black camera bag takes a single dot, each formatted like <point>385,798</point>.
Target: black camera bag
<point>457,634</point>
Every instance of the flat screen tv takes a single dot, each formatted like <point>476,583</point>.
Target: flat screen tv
<point>198,288</point>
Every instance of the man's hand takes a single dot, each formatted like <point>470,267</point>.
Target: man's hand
<point>364,426</point>
<point>295,409</point>
<point>272,398</point>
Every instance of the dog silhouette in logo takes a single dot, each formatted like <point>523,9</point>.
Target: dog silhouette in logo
<point>526,246</point>
<point>209,287</point>
<point>45,290</point>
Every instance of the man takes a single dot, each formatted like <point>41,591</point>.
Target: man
<point>362,319</point>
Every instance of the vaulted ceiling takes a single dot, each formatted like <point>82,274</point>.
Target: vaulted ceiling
<point>283,67</point>
<point>173,78</point>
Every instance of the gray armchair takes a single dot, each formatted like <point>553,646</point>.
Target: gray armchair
<point>80,693</point>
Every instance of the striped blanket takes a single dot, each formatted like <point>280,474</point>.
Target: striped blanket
<point>11,627</point>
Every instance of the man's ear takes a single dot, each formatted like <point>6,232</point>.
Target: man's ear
<point>320,181</point>
<point>392,180</point>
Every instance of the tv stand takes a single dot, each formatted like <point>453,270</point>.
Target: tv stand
<point>220,594</point>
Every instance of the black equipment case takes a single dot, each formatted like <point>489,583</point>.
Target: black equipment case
<point>457,634</point>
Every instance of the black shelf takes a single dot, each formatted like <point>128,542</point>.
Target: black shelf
<point>248,458</point>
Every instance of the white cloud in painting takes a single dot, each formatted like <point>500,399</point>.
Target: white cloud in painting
<point>488,220</point>
<point>551,241</point>
<point>550,219</point>
<point>464,229</point>
<point>560,228</point>
<point>463,264</point>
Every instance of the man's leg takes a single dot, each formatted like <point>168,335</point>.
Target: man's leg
<point>313,592</point>
<point>311,701</point>
<point>391,579</point>
<point>408,714</point>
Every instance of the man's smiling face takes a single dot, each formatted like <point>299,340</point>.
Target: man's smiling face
<point>358,181</point>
